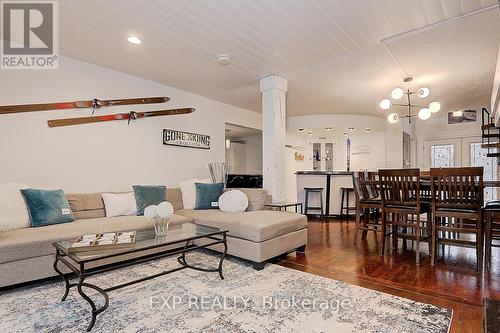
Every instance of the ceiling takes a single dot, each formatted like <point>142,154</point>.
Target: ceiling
<point>339,56</point>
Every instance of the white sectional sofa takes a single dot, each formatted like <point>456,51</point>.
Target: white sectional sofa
<point>28,254</point>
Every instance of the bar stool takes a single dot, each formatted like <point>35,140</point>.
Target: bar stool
<point>318,190</point>
<point>346,191</point>
<point>492,228</point>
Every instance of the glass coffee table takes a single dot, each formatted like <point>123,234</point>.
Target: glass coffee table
<point>147,247</point>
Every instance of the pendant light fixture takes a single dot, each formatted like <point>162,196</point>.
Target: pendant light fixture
<point>397,93</point>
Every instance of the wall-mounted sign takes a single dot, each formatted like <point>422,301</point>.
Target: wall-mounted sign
<point>185,139</point>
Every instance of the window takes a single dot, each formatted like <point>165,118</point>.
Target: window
<point>478,158</point>
<point>442,156</point>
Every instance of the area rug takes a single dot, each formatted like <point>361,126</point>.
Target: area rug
<point>276,299</point>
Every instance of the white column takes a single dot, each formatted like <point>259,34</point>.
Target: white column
<point>273,89</point>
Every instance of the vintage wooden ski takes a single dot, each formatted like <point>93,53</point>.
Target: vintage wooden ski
<point>94,104</point>
<point>119,116</point>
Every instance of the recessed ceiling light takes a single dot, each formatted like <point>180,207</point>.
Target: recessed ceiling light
<point>224,59</point>
<point>134,40</point>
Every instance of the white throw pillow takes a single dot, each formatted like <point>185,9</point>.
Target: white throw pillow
<point>13,210</point>
<point>188,190</point>
<point>119,204</point>
<point>233,201</point>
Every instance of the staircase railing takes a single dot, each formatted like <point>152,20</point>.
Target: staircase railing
<point>489,132</point>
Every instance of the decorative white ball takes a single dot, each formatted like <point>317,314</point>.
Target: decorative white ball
<point>165,210</point>
<point>150,212</point>
<point>233,201</point>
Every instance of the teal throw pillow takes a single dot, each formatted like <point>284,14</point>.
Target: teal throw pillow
<point>47,207</point>
<point>207,195</point>
<point>148,195</point>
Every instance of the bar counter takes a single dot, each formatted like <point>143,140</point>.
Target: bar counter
<point>331,181</point>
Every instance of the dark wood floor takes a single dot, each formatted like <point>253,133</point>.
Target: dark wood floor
<point>452,283</point>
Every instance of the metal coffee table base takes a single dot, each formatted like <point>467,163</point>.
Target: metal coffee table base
<point>84,273</point>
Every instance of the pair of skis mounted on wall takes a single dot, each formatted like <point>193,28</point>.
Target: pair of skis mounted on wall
<point>95,104</point>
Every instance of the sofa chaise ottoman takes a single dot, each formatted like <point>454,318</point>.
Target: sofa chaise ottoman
<point>256,235</point>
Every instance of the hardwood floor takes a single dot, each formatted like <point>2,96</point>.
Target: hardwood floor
<point>452,283</point>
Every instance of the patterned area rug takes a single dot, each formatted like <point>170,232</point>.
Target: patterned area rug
<point>276,299</point>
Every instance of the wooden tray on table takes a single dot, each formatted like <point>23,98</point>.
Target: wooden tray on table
<point>103,241</point>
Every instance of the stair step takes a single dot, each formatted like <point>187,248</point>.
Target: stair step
<point>488,126</point>
<point>491,145</point>
<point>494,135</point>
<point>493,155</point>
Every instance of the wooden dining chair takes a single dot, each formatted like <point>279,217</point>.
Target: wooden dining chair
<point>457,200</point>
<point>400,193</point>
<point>368,203</point>
<point>491,218</point>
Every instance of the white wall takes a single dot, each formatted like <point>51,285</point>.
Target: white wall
<point>253,154</point>
<point>245,155</point>
<point>373,160</point>
<point>394,145</point>
<point>236,158</point>
<point>495,94</point>
<point>292,165</point>
<point>104,156</point>
<point>437,128</point>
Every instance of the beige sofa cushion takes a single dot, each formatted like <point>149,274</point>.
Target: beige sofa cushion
<point>174,196</point>
<point>34,242</point>
<point>91,205</point>
<point>86,205</point>
<point>256,226</point>
<point>257,198</point>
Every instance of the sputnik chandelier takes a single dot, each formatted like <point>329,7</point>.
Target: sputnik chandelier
<point>425,111</point>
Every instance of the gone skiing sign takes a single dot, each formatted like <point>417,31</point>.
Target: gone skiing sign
<point>185,139</point>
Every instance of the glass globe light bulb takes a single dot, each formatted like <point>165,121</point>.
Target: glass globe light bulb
<point>397,93</point>
<point>423,92</point>
<point>424,114</point>
<point>393,118</point>
<point>385,104</point>
<point>435,107</point>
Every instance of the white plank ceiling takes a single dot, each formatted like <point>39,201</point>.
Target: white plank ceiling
<point>338,55</point>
